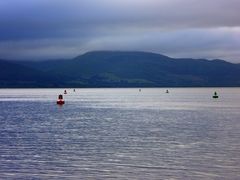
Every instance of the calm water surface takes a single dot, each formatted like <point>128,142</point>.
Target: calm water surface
<point>120,133</point>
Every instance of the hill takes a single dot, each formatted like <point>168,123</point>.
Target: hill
<point>131,69</point>
<point>17,75</point>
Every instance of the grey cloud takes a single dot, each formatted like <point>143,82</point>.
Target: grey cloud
<point>59,28</point>
<point>196,43</point>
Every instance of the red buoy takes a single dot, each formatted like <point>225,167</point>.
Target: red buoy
<point>60,100</point>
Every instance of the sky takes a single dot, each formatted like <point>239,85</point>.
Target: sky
<point>52,29</point>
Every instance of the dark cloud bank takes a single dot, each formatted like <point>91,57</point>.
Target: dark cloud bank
<point>43,29</point>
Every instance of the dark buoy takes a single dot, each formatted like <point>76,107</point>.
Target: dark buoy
<point>74,90</point>
<point>215,96</point>
<point>167,91</point>
<point>65,91</point>
<point>140,90</point>
<point>60,100</point>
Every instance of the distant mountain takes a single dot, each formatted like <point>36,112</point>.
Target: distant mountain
<point>123,69</point>
<point>17,75</point>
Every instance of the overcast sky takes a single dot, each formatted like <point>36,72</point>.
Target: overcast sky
<point>49,29</point>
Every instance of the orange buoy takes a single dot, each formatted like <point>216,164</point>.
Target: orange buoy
<point>60,100</point>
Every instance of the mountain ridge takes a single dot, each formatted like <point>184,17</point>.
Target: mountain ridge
<point>131,69</point>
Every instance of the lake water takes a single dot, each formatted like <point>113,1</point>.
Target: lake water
<point>120,133</point>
